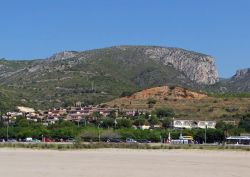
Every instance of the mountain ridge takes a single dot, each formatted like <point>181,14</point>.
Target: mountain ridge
<point>99,75</point>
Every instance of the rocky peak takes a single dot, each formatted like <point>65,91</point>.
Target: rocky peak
<point>241,73</point>
<point>196,66</point>
<point>62,55</point>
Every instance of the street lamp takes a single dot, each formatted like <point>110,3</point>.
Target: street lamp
<point>78,123</point>
<point>7,133</point>
<point>85,123</point>
<point>99,135</point>
<point>7,136</point>
<point>173,123</point>
<point>115,122</point>
<point>205,132</point>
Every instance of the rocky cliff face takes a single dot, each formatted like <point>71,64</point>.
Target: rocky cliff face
<point>240,82</point>
<point>197,67</point>
<point>241,73</point>
<point>62,55</point>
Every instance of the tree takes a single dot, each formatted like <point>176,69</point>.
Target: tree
<point>112,114</point>
<point>153,120</point>
<point>107,123</point>
<point>21,122</point>
<point>245,123</point>
<point>214,135</point>
<point>1,122</point>
<point>166,122</point>
<point>151,102</point>
<point>65,132</point>
<point>109,134</point>
<point>97,115</point>
<point>90,134</point>
<point>78,141</point>
<point>124,123</point>
<point>140,122</point>
<point>67,103</point>
<point>126,93</point>
<point>164,112</point>
<point>228,129</point>
<point>147,115</point>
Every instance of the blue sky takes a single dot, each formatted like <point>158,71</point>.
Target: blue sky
<point>37,29</point>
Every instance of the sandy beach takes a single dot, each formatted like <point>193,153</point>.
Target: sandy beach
<point>123,163</point>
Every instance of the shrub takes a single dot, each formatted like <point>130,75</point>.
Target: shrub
<point>126,93</point>
<point>164,112</point>
<point>172,87</point>
<point>151,101</point>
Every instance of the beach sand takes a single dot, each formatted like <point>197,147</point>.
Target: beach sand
<point>123,163</point>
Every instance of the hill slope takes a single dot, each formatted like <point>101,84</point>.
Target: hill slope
<point>237,84</point>
<point>186,104</point>
<point>240,82</point>
<point>99,75</point>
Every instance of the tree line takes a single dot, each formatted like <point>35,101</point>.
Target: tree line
<point>112,127</point>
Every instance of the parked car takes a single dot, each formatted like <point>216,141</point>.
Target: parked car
<point>70,140</point>
<point>12,140</point>
<point>114,140</point>
<point>130,140</point>
<point>59,140</point>
<point>143,141</point>
<point>47,140</point>
<point>36,141</point>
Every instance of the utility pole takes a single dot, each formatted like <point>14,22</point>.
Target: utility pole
<point>7,133</point>
<point>205,132</point>
<point>172,126</point>
<point>99,134</point>
<point>115,122</point>
<point>85,122</point>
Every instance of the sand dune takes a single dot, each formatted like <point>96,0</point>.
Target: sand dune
<point>123,163</point>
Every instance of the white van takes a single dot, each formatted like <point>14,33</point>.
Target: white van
<point>29,139</point>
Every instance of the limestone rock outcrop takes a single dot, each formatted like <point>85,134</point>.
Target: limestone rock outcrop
<point>197,67</point>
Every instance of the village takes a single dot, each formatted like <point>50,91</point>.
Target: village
<point>92,114</point>
<point>158,125</point>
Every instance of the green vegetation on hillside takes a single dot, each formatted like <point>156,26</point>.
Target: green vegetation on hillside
<point>98,76</point>
<point>94,76</point>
